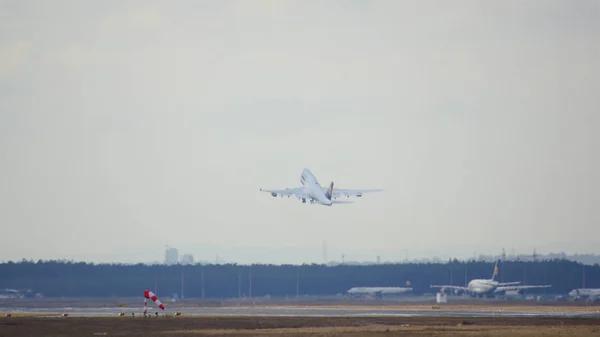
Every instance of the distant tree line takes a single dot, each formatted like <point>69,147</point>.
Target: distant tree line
<point>80,279</point>
<point>589,259</point>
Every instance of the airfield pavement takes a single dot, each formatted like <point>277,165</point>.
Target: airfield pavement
<point>315,307</point>
<point>409,311</point>
<point>273,318</point>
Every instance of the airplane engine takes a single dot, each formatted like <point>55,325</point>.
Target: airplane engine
<point>304,200</point>
<point>274,194</point>
<point>359,195</point>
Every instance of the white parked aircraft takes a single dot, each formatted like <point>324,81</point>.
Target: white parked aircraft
<point>588,294</point>
<point>316,193</point>
<point>378,291</point>
<point>487,288</point>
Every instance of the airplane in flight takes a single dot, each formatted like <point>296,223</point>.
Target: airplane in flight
<point>488,287</point>
<point>311,190</point>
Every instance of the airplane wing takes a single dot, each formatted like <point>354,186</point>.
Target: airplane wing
<point>509,288</point>
<point>350,193</point>
<point>451,287</point>
<point>299,192</point>
<point>509,283</point>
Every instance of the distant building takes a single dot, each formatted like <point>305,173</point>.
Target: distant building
<point>187,259</point>
<point>171,256</point>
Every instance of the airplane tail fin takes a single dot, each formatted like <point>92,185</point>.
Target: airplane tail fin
<point>329,191</point>
<point>495,270</point>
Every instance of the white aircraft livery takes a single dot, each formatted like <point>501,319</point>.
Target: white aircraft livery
<point>378,291</point>
<point>315,193</point>
<point>487,288</point>
<point>588,294</point>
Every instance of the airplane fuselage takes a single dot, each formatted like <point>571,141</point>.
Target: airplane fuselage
<point>588,293</point>
<point>378,292</point>
<point>382,290</point>
<point>482,287</point>
<point>313,189</point>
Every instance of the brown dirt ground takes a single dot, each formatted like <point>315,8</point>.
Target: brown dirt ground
<point>298,326</point>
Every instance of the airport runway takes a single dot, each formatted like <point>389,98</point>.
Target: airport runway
<point>298,312</point>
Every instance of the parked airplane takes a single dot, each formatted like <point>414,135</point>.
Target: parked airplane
<point>487,288</point>
<point>315,193</point>
<point>16,293</point>
<point>588,294</point>
<point>378,291</point>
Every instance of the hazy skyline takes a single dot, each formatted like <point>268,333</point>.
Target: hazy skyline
<point>127,125</point>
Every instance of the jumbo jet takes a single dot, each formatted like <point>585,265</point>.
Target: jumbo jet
<point>488,288</point>
<point>315,193</point>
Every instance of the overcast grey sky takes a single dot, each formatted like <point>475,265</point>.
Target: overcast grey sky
<point>125,125</point>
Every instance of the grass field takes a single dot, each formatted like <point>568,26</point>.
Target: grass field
<point>298,326</point>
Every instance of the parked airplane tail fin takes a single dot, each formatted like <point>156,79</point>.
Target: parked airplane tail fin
<point>495,270</point>
<point>329,191</point>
